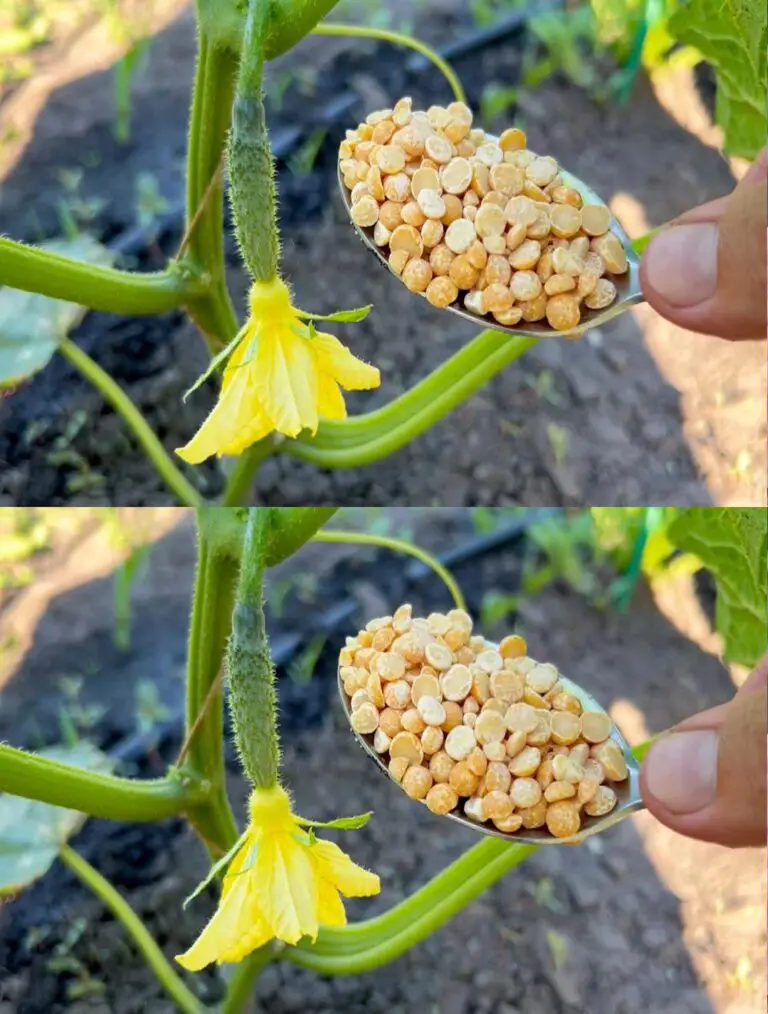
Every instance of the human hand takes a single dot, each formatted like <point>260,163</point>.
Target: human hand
<point>707,779</point>
<point>707,271</point>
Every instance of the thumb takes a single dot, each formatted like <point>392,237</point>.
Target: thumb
<point>707,271</point>
<point>707,779</point>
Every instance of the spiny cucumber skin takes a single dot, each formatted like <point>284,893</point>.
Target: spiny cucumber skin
<point>252,191</point>
<point>252,696</point>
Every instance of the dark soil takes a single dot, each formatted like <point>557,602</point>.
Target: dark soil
<point>628,432</point>
<point>637,921</point>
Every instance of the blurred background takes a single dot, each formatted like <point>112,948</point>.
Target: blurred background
<point>93,119</point>
<point>93,612</point>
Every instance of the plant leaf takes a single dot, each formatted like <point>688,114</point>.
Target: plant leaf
<point>214,364</point>
<point>31,325</point>
<point>31,833</point>
<point>732,35</point>
<point>731,542</point>
<point>341,823</point>
<point>216,869</point>
<point>341,316</point>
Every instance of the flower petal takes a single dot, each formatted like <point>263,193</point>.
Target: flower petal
<point>285,885</point>
<point>337,361</point>
<point>234,920</point>
<point>285,375</point>
<point>236,420</point>
<point>336,867</point>
<point>330,908</point>
<point>330,400</point>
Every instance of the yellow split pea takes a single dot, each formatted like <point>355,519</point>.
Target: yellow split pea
<point>467,727</point>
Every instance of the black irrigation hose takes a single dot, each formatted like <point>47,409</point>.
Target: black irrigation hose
<point>483,544</point>
<point>284,650</point>
<point>477,40</point>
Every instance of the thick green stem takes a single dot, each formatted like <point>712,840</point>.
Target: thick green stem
<point>252,190</point>
<point>134,420</point>
<point>240,481</point>
<point>363,439</point>
<point>100,288</point>
<point>100,795</point>
<point>252,696</point>
<point>208,632</point>
<point>240,987</point>
<point>184,999</point>
<point>387,937</point>
<point>209,124</point>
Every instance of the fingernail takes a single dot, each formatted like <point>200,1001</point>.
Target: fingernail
<point>681,263</point>
<point>681,770</point>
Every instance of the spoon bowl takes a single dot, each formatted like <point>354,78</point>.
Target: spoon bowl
<point>627,285</point>
<point>627,792</point>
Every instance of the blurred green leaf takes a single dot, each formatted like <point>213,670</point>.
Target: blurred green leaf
<point>31,326</point>
<point>497,606</point>
<point>31,833</point>
<point>733,36</point>
<point>731,542</point>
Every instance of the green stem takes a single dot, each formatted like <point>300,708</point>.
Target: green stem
<point>132,417</point>
<point>384,35</point>
<point>100,795</point>
<point>240,986</point>
<point>399,546</point>
<point>240,481</point>
<point>209,123</point>
<point>413,921</point>
<point>208,632</point>
<point>639,244</point>
<point>363,439</point>
<point>184,999</point>
<point>100,288</point>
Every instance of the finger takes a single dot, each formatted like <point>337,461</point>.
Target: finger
<point>707,779</point>
<point>706,272</point>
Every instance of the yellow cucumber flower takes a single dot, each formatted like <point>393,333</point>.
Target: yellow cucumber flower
<point>282,883</point>
<point>281,376</point>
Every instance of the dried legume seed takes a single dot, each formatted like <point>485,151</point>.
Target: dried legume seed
<point>459,742</point>
<point>366,719</point>
<point>462,780</point>
<point>441,799</point>
<point>603,801</point>
<point>563,819</point>
<point>432,740</point>
<point>525,792</point>
<point>602,295</point>
<point>595,726</point>
<point>611,757</point>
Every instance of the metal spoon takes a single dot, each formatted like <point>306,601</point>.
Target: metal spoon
<point>627,792</point>
<point>627,285</point>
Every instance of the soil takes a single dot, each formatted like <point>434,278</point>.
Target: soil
<point>649,414</point>
<point>638,921</point>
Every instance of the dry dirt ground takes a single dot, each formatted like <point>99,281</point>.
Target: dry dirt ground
<point>639,921</point>
<point>646,413</point>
